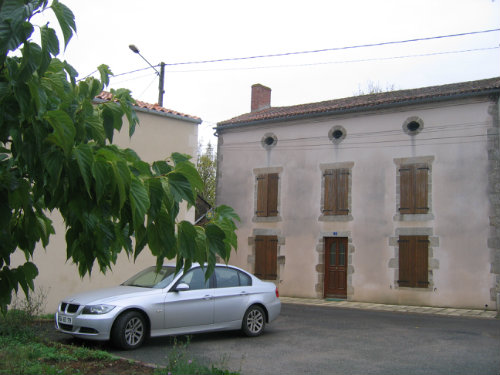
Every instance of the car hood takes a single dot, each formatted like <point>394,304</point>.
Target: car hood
<point>110,295</point>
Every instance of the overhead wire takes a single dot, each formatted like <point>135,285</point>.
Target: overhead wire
<point>327,50</point>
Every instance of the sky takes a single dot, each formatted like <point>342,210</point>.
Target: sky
<point>180,31</point>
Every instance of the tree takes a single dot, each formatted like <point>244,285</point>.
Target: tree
<point>207,168</point>
<point>374,88</point>
<point>56,153</point>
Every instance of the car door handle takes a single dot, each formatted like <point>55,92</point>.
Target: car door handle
<point>207,297</point>
<point>243,293</point>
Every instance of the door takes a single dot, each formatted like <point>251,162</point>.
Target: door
<point>191,309</point>
<point>336,267</point>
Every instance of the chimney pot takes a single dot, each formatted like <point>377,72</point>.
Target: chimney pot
<point>261,97</point>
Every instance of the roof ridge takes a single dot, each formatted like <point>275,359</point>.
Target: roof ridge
<point>363,102</point>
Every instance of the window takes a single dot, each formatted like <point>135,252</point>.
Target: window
<point>229,277</point>
<point>413,125</point>
<point>413,261</point>
<point>414,189</point>
<point>266,250</point>
<point>267,195</point>
<point>336,192</point>
<point>195,279</point>
<point>337,134</point>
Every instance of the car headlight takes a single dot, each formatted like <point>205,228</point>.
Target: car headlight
<point>97,309</point>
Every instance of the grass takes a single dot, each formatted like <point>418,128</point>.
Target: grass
<point>24,352</point>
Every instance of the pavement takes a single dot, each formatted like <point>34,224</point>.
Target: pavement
<point>472,313</point>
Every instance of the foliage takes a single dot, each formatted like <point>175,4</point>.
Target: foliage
<point>180,362</point>
<point>56,153</point>
<point>207,168</point>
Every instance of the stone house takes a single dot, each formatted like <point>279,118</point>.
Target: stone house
<point>390,197</point>
<point>160,132</point>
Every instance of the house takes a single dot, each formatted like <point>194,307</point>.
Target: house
<point>160,132</point>
<point>390,197</point>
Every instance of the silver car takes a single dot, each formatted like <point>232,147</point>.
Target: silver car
<point>152,304</point>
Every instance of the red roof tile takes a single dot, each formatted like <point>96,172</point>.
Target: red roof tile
<point>369,102</point>
<point>105,95</point>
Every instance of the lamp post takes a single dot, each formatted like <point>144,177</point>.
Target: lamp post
<point>160,74</point>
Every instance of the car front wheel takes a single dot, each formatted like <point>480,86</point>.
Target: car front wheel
<point>129,331</point>
<point>254,321</point>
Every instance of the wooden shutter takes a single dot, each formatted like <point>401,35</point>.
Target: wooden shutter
<point>405,190</point>
<point>272,194</point>
<point>404,262</point>
<point>342,192</point>
<point>421,186</point>
<point>262,182</point>
<point>266,251</point>
<point>421,261</point>
<point>329,198</point>
<point>413,261</point>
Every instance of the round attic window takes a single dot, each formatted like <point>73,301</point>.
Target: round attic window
<point>269,140</point>
<point>337,134</point>
<point>413,125</point>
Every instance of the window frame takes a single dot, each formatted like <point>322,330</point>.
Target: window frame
<point>341,175</point>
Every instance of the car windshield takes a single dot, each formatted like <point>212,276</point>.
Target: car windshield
<point>151,278</point>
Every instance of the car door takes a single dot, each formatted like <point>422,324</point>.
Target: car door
<point>192,308</point>
<point>231,295</point>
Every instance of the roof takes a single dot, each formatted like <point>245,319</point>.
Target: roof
<point>153,108</point>
<point>362,103</point>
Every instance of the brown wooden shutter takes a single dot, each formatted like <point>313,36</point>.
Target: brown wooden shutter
<point>272,194</point>
<point>266,254</point>
<point>404,262</point>
<point>260,250</point>
<point>262,183</point>
<point>421,186</point>
<point>329,198</point>
<point>405,190</point>
<point>421,261</point>
<point>342,192</point>
<point>413,261</point>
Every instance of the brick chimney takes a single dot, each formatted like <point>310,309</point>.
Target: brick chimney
<point>261,97</point>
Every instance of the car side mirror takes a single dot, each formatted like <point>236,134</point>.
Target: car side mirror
<point>182,287</point>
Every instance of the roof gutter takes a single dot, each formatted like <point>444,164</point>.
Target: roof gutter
<point>360,109</point>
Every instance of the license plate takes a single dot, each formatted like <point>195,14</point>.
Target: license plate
<point>65,319</point>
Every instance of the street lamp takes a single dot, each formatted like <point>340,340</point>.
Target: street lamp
<point>160,73</point>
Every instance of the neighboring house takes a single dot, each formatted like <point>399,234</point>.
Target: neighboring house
<point>160,132</point>
<point>391,197</point>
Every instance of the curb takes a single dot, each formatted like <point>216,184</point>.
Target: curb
<point>446,311</point>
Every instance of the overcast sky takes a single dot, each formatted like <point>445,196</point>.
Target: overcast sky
<point>175,31</point>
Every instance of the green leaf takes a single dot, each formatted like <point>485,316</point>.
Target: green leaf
<point>105,72</point>
<point>181,188</point>
<point>139,201</point>
<point>64,130</point>
<point>84,157</point>
<point>66,20</point>
<point>100,172</point>
<point>186,240</point>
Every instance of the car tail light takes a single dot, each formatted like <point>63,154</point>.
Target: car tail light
<point>277,293</point>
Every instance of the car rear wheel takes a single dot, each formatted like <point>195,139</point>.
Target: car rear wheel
<point>129,331</point>
<point>254,321</point>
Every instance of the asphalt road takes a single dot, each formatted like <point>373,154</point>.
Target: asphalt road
<point>328,340</point>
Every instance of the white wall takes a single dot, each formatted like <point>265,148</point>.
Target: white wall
<point>454,135</point>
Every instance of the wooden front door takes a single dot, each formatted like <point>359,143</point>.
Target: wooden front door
<point>336,267</point>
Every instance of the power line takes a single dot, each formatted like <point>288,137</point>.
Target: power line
<point>338,62</point>
<point>334,48</point>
